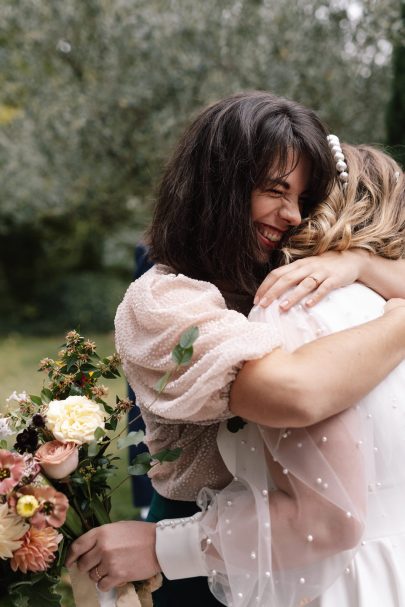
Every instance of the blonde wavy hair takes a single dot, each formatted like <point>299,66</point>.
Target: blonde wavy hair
<point>369,214</point>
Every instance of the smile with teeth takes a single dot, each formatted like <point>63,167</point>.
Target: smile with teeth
<point>271,234</point>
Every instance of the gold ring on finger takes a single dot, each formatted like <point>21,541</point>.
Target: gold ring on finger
<point>99,576</point>
<point>317,282</point>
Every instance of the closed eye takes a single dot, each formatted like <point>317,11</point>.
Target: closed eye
<point>275,193</point>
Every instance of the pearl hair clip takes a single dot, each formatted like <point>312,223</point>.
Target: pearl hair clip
<point>339,158</point>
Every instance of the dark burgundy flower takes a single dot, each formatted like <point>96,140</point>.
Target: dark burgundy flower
<point>38,421</point>
<point>27,440</point>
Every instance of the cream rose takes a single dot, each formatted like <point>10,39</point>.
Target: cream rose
<point>58,459</point>
<point>74,419</point>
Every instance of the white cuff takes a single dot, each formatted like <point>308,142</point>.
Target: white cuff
<point>178,548</point>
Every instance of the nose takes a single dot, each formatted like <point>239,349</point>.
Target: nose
<point>290,212</point>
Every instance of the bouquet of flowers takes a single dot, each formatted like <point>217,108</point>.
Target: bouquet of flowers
<point>55,482</point>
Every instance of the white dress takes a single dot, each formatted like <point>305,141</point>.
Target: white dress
<point>342,537</point>
<point>344,544</point>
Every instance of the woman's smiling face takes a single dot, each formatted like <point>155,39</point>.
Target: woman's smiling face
<point>277,205</point>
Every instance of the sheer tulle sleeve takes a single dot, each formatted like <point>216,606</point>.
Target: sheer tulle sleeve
<point>291,521</point>
<point>156,309</point>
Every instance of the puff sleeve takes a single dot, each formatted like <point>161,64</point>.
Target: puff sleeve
<point>156,309</point>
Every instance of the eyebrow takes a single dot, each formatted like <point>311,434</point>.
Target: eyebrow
<point>277,181</point>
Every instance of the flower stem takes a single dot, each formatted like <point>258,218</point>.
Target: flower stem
<point>118,486</point>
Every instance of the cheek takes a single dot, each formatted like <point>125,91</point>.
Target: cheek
<point>262,206</point>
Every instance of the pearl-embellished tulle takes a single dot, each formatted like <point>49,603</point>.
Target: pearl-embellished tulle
<point>343,542</point>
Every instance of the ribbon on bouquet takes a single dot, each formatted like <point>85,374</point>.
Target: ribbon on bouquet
<point>85,592</point>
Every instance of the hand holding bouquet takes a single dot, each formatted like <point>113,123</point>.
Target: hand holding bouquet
<point>54,485</point>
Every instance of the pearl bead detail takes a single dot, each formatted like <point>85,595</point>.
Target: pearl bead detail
<point>310,538</point>
<point>267,574</point>
<point>339,159</point>
<point>302,580</point>
<point>324,439</point>
<point>285,471</point>
<point>253,555</point>
<point>319,481</point>
<point>265,493</point>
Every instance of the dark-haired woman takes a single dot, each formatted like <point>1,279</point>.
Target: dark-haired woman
<point>245,172</point>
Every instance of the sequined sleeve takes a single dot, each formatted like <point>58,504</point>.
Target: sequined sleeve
<point>156,309</point>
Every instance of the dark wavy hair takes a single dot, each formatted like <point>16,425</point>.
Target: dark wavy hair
<point>202,223</point>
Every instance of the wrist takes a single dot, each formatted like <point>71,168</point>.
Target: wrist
<point>363,260</point>
<point>156,564</point>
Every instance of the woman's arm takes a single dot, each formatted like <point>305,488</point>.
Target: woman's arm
<point>323,377</point>
<point>303,528</point>
<point>385,276</point>
<point>302,507</point>
<point>312,278</point>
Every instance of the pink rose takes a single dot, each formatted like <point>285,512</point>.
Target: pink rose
<point>11,470</point>
<point>58,459</point>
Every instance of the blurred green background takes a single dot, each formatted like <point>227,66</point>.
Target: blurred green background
<point>93,94</point>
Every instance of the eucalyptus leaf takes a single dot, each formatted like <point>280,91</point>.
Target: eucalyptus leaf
<point>141,464</point>
<point>46,395</point>
<point>188,337</point>
<point>93,448</point>
<point>187,355</point>
<point>167,455</point>
<point>163,381</point>
<point>182,356</point>
<point>99,433</point>
<point>132,438</point>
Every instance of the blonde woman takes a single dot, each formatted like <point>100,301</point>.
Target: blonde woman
<point>315,516</point>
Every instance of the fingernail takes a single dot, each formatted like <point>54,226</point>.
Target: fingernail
<point>263,301</point>
<point>284,304</point>
<point>309,302</point>
<point>256,299</point>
